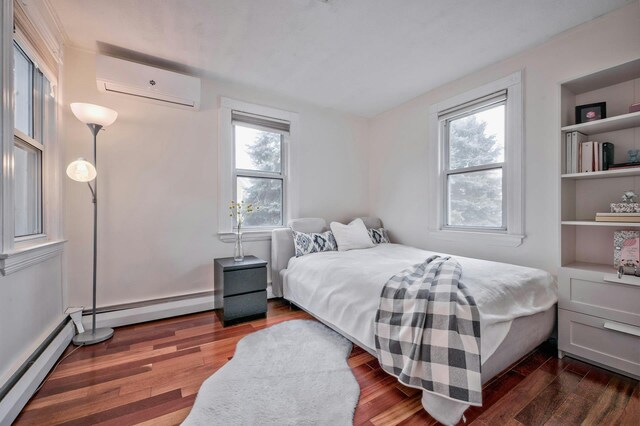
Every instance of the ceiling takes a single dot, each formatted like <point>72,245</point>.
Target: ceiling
<point>358,56</point>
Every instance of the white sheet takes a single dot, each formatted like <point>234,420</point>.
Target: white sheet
<point>343,288</point>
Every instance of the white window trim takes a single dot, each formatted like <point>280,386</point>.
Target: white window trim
<point>514,158</point>
<point>17,254</point>
<point>226,175</point>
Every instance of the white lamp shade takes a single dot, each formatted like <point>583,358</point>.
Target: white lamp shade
<point>81,171</point>
<point>94,114</point>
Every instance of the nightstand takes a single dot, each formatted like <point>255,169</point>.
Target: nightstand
<point>243,286</point>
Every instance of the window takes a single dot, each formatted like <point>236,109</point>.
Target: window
<point>474,168</point>
<point>30,202</point>
<point>33,103</point>
<point>259,173</point>
<point>255,146</point>
<point>477,165</point>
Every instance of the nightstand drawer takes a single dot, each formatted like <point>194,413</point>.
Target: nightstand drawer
<point>589,293</point>
<point>607,342</point>
<point>244,281</point>
<point>245,305</point>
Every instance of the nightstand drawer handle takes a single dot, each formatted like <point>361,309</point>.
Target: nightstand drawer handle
<point>622,328</point>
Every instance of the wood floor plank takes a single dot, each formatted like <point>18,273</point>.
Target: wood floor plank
<point>493,392</point>
<point>398,412</point>
<point>518,398</point>
<point>169,419</point>
<point>612,402</point>
<point>365,412</point>
<point>150,374</point>
<point>542,407</point>
<point>531,363</point>
<point>593,384</point>
<point>631,412</point>
<point>572,411</point>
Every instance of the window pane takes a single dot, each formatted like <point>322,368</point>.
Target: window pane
<point>475,199</point>
<point>22,82</point>
<point>257,149</point>
<point>477,139</point>
<point>28,193</point>
<point>265,194</point>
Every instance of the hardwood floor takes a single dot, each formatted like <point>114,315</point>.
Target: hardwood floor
<point>150,374</point>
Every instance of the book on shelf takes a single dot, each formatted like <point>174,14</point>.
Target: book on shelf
<point>573,151</point>
<point>583,156</point>
<point>618,217</point>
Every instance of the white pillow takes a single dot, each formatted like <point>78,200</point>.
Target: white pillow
<point>352,236</point>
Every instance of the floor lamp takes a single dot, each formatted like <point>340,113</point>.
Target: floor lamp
<point>96,118</point>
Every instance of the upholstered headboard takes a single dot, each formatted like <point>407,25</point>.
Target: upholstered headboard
<point>282,244</point>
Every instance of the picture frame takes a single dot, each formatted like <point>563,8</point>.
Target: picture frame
<point>591,112</point>
<point>619,238</point>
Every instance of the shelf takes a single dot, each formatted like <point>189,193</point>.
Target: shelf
<point>594,223</point>
<point>619,122</point>
<point>603,174</point>
<point>593,267</point>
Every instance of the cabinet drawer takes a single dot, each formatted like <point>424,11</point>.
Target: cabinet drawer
<point>607,342</point>
<point>590,294</point>
<point>244,281</point>
<point>245,305</point>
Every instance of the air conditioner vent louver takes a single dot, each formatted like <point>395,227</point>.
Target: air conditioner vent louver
<point>147,83</point>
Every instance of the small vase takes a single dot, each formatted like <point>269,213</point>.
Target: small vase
<point>238,251</point>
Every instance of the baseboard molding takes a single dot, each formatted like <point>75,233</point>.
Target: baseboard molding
<point>134,313</point>
<point>20,392</point>
<point>151,310</point>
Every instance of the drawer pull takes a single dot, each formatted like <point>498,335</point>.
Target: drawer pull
<point>622,328</point>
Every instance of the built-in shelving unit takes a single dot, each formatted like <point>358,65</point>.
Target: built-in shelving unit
<point>582,195</point>
<point>598,311</point>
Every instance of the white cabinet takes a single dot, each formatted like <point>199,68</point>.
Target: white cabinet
<point>598,313</point>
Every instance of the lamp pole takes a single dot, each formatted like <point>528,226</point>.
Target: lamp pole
<point>95,128</point>
<point>96,118</point>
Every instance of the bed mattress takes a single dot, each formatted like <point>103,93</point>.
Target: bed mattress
<point>343,288</point>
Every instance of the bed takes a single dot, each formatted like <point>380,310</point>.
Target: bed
<point>342,290</point>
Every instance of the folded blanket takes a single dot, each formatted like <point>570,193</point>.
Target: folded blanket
<point>427,331</point>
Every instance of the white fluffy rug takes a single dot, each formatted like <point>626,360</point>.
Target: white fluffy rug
<point>293,373</point>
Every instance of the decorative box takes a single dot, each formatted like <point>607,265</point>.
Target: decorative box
<point>625,207</point>
<point>634,107</point>
<point>618,242</point>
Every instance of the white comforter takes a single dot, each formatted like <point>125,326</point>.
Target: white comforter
<point>343,288</point>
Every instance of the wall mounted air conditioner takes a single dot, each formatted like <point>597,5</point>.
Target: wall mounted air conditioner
<point>147,83</point>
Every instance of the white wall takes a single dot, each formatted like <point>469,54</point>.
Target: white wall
<point>400,138</point>
<point>31,307</point>
<point>157,187</point>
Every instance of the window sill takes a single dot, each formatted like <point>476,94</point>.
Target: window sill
<point>24,257</point>
<point>490,238</point>
<point>230,237</point>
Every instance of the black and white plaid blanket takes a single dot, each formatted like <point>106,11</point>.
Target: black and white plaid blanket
<point>428,331</point>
